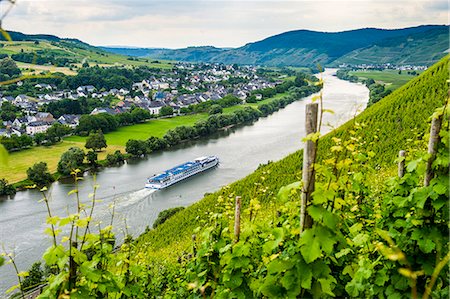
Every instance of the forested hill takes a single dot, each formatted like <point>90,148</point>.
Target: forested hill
<point>19,36</point>
<point>416,45</point>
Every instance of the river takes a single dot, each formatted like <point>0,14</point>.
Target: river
<point>240,149</point>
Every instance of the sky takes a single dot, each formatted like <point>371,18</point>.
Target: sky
<point>232,23</point>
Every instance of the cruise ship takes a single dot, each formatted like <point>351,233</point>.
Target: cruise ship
<point>181,172</point>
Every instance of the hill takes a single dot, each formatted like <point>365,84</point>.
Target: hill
<point>421,48</point>
<point>42,52</point>
<point>422,45</point>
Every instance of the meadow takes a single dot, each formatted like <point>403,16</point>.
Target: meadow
<point>391,78</point>
<point>157,128</point>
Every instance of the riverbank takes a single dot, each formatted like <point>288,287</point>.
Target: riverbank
<point>16,172</point>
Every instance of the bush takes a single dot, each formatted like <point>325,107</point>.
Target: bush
<point>39,174</point>
<point>215,109</point>
<point>163,216</point>
<point>5,188</point>
<point>114,159</point>
<point>71,160</point>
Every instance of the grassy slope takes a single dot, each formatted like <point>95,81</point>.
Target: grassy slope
<point>76,52</point>
<point>391,78</point>
<point>391,119</point>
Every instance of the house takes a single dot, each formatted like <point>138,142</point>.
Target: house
<point>9,99</point>
<point>42,86</point>
<point>38,127</point>
<point>21,98</point>
<point>22,121</point>
<point>124,91</point>
<point>70,120</point>
<point>44,116</point>
<point>8,132</point>
<point>86,89</point>
<point>155,106</point>
<point>99,110</point>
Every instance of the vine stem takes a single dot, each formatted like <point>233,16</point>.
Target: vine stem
<point>13,262</point>
<point>435,275</point>
<point>50,216</point>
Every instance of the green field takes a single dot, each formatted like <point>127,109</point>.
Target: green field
<point>157,128</point>
<point>18,162</point>
<point>391,78</point>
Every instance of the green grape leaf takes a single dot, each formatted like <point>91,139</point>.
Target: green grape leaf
<point>426,245</point>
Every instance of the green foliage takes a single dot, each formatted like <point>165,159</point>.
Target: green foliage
<point>103,121</point>
<point>8,69</point>
<point>166,214</point>
<point>72,159</point>
<point>114,159</point>
<point>136,148</point>
<point>215,109</point>
<point>392,122</point>
<point>92,158</point>
<point>166,111</point>
<point>96,141</point>
<point>34,278</point>
<point>39,174</point>
<point>6,189</point>
<point>16,143</point>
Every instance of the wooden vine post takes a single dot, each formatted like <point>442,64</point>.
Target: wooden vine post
<point>432,148</point>
<point>237,219</point>
<point>401,163</point>
<point>309,158</point>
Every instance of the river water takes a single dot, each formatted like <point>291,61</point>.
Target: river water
<point>240,149</point>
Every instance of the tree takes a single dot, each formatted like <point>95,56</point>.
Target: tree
<point>5,188</point>
<point>39,174</point>
<point>166,110</point>
<point>215,109</point>
<point>57,131</point>
<point>9,67</point>
<point>136,148</point>
<point>34,278</point>
<point>116,158</point>
<point>163,216</point>
<point>72,159</point>
<point>96,141</point>
<point>39,138</point>
<point>300,81</point>
<point>92,158</point>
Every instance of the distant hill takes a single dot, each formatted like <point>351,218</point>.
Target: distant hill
<point>416,45</point>
<point>43,52</point>
<point>421,48</point>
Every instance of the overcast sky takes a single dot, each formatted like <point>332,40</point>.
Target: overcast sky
<point>175,24</point>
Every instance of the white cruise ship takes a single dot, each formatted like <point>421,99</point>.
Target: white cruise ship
<point>181,172</point>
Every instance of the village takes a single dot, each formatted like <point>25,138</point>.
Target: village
<point>185,85</point>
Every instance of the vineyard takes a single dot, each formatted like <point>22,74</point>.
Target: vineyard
<point>371,232</point>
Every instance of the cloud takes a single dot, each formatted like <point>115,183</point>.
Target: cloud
<point>175,23</point>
